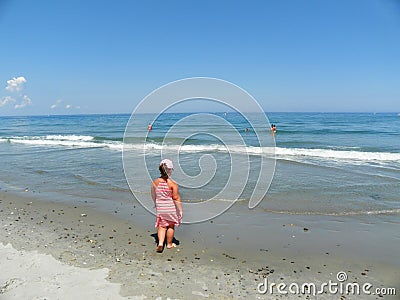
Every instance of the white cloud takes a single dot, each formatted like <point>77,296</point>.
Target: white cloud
<point>6,100</point>
<point>16,84</point>
<point>67,106</point>
<point>25,102</point>
<point>55,105</point>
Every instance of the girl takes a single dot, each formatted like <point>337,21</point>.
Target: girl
<point>167,201</point>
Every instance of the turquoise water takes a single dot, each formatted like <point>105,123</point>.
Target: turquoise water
<point>327,163</point>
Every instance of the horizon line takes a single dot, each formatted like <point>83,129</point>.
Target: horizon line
<point>191,112</point>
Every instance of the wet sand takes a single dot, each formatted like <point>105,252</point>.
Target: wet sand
<point>204,265</point>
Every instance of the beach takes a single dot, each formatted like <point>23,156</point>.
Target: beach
<point>70,220</point>
<point>95,241</point>
<point>279,123</point>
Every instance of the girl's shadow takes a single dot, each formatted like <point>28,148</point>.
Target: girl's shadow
<point>155,236</point>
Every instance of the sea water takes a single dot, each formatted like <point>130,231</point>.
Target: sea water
<point>344,164</point>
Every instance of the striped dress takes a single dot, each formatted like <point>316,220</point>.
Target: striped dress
<point>167,214</point>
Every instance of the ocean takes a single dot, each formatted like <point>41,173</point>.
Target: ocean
<point>335,164</point>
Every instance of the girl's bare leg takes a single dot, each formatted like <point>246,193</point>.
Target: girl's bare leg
<point>170,236</point>
<point>161,237</point>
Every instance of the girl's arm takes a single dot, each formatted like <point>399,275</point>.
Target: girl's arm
<point>153,192</point>
<point>177,198</point>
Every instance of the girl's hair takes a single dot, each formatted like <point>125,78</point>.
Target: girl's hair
<point>163,171</point>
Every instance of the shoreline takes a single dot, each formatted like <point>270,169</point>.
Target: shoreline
<point>85,237</point>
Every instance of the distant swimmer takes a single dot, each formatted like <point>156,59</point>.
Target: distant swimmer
<point>149,127</point>
<point>246,130</point>
<point>273,128</point>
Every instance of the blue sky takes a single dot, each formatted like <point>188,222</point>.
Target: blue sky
<point>71,57</point>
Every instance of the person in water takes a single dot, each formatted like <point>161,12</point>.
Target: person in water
<point>149,127</point>
<point>273,128</point>
<point>167,201</point>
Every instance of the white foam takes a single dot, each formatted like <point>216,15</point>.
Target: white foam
<point>394,211</point>
<point>337,154</point>
<point>69,137</point>
<point>78,141</point>
<point>83,141</point>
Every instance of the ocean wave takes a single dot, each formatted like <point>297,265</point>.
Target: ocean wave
<point>395,211</point>
<point>337,154</point>
<point>76,141</point>
<point>66,137</point>
<point>86,141</point>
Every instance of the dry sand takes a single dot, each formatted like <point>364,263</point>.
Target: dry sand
<point>89,246</point>
<point>32,275</point>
